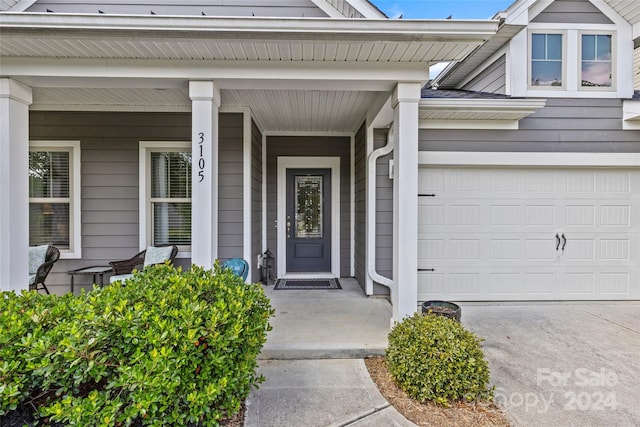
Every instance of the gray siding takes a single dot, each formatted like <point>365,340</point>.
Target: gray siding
<point>279,8</point>
<point>572,12</point>
<point>230,187</point>
<point>109,179</point>
<point>564,125</point>
<point>384,214</point>
<point>492,79</point>
<point>360,201</point>
<point>311,146</point>
<point>256,199</point>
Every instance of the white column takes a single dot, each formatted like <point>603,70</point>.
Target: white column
<point>404,294</point>
<point>205,102</point>
<point>15,99</point>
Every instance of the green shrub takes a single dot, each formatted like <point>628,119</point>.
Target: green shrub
<point>435,358</point>
<point>166,348</point>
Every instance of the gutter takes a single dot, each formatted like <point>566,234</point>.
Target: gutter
<point>255,27</point>
<point>374,276</point>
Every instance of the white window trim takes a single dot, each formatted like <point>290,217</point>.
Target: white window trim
<point>144,160</point>
<point>75,222</point>
<point>614,59</point>
<point>532,87</point>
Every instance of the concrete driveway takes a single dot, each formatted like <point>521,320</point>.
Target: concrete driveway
<point>563,364</point>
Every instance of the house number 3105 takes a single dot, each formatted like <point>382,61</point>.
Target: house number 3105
<point>201,158</point>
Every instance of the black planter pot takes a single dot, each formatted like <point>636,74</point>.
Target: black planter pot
<point>442,308</point>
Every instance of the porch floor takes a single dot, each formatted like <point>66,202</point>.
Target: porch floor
<point>327,324</point>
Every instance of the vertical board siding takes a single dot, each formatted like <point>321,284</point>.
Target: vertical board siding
<point>310,146</point>
<point>256,198</point>
<point>109,144</point>
<point>360,202</point>
<point>564,125</point>
<point>492,79</point>
<point>230,187</point>
<point>384,214</point>
<point>572,12</point>
<point>280,8</point>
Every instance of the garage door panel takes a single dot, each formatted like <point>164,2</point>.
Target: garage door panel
<point>490,234</point>
<point>615,215</point>
<point>537,285</point>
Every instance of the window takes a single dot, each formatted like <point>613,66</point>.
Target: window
<point>167,175</point>
<point>54,192</point>
<point>596,65</point>
<point>547,68</point>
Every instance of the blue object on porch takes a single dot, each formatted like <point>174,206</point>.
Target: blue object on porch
<point>238,266</point>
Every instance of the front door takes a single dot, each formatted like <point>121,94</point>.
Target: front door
<point>308,220</point>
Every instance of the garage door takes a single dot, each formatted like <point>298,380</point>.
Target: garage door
<point>491,234</point>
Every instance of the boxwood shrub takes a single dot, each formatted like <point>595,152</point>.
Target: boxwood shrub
<point>166,348</point>
<point>435,358</point>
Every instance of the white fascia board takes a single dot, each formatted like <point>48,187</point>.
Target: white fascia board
<point>448,158</point>
<point>631,114</point>
<point>366,9</point>
<point>203,70</point>
<point>224,28</point>
<point>609,12</point>
<point>501,113</point>
<point>518,13</point>
<point>521,107</point>
<point>22,5</point>
<point>331,11</point>
<point>636,30</point>
<point>468,124</point>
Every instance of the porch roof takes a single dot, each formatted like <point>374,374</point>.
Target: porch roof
<point>323,73</point>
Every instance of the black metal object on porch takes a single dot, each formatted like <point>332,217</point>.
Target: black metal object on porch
<point>267,268</point>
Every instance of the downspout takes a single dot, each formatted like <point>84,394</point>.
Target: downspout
<point>371,215</point>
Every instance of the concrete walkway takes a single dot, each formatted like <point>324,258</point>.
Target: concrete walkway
<point>552,364</point>
<point>563,364</point>
<point>313,361</point>
<point>317,324</point>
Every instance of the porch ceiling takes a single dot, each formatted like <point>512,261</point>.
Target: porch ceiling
<point>296,74</point>
<point>273,110</point>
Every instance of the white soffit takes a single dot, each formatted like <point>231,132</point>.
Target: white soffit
<point>447,113</point>
<point>273,110</point>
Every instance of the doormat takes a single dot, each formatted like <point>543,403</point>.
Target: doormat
<point>307,284</point>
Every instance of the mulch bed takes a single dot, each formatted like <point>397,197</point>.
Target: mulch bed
<point>23,416</point>
<point>459,414</point>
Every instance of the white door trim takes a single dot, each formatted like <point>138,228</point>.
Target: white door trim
<point>444,158</point>
<point>332,163</point>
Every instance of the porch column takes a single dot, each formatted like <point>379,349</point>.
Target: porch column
<point>15,99</point>
<point>404,293</point>
<point>205,102</point>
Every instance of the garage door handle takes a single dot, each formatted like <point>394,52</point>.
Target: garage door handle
<point>557,242</point>
<point>426,269</point>
<point>564,242</point>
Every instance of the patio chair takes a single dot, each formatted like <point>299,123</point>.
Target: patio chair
<point>41,260</point>
<point>238,266</point>
<point>122,270</point>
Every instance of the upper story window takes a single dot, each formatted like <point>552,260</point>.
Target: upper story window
<point>166,171</point>
<point>54,195</point>
<point>547,60</point>
<point>596,62</point>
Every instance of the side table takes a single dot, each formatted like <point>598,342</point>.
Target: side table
<point>95,271</point>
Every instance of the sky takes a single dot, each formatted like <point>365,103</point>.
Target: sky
<point>441,9</point>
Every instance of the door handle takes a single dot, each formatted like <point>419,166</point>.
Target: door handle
<point>564,242</point>
<point>557,242</point>
<point>288,227</point>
